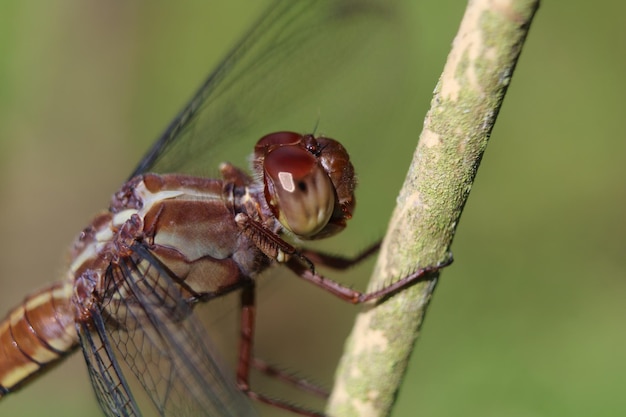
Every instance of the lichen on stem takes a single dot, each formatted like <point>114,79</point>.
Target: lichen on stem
<point>456,131</point>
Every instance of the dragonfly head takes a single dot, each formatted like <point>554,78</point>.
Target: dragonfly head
<point>309,182</point>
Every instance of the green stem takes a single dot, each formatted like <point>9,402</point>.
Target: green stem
<point>456,132</point>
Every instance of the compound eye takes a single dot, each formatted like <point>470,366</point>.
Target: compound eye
<point>299,190</point>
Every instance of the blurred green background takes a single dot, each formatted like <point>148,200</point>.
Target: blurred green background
<point>529,321</point>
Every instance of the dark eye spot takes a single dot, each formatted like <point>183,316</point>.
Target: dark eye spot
<point>302,186</point>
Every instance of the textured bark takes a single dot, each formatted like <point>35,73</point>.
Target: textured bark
<point>463,111</point>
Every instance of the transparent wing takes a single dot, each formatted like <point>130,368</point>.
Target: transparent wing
<point>106,377</point>
<point>148,333</point>
<point>293,51</point>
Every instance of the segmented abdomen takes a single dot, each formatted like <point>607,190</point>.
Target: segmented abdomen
<point>36,335</point>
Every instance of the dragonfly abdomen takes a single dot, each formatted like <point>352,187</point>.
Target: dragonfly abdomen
<point>36,335</point>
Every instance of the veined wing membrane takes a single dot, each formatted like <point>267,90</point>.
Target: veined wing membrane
<point>296,46</point>
<point>109,383</point>
<point>154,330</point>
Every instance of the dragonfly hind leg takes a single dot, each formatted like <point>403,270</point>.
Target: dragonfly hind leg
<point>289,378</point>
<point>246,361</point>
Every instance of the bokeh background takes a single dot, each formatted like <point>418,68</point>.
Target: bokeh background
<point>530,319</point>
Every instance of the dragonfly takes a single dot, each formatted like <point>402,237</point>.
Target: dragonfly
<point>173,238</point>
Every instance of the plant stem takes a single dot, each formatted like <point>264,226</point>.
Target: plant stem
<point>464,108</point>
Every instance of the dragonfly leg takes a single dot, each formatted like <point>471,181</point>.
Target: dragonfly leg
<point>268,242</point>
<point>288,378</point>
<point>303,263</point>
<point>248,315</point>
<point>303,270</point>
<point>284,405</point>
<point>339,262</point>
<point>276,248</point>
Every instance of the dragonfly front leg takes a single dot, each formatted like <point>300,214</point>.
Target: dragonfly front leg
<point>272,245</point>
<point>300,262</point>
<point>357,297</point>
